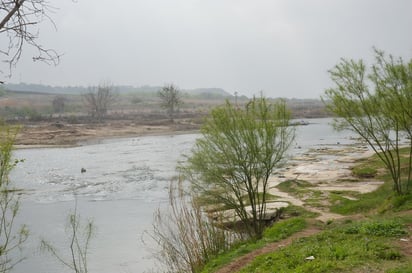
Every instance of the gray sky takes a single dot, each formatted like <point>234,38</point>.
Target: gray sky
<point>283,47</point>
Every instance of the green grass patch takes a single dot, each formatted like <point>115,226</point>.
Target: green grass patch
<point>365,203</point>
<point>384,227</point>
<point>403,202</point>
<point>283,229</point>
<point>364,172</point>
<point>205,201</point>
<point>339,249</point>
<point>295,211</point>
<point>298,188</point>
<point>279,231</point>
<point>268,197</point>
<point>384,199</point>
<point>406,268</point>
<point>373,163</point>
<point>381,200</point>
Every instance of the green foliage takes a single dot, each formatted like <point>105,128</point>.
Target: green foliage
<point>379,116</point>
<point>385,228</point>
<point>382,200</point>
<point>283,229</point>
<point>401,269</point>
<point>7,138</point>
<point>236,155</point>
<point>12,238</point>
<point>402,202</point>
<point>296,187</point>
<point>366,172</point>
<point>365,202</point>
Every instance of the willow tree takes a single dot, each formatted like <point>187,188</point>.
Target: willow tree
<point>237,153</point>
<point>377,105</point>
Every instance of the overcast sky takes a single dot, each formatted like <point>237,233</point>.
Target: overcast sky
<point>281,47</point>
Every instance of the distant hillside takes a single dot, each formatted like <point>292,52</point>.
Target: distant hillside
<point>39,88</point>
<point>207,93</point>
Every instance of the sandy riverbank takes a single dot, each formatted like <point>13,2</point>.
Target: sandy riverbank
<point>327,170</point>
<point>66,135</point>
<point>315,175</point>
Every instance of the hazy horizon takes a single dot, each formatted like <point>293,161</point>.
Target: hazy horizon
<point>281,48</point>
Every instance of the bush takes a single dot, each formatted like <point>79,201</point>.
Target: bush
<point>186,237</point>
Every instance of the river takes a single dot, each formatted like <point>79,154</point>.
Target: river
<point>125,181</point>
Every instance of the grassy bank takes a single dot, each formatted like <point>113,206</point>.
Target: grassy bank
<point>374,236</point>
<point>275,233</point>
<point>364,246</point>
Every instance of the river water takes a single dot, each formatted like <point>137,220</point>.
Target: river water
<point>125,181</point>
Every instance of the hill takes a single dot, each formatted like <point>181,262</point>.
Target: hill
<point>122,89</point>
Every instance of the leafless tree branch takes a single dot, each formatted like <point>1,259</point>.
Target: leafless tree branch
<point>171,99</point>
<point>99,101</point>
<point>19,25</point>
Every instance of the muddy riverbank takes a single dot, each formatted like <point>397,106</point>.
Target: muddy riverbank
<point>46,134</point>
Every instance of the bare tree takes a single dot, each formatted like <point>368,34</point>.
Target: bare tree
<point>19,21</point>
<point>79,236</point>
<point>99,101</point>
<point>187,238</point>
<point>171,99</point>
<point>59,102</point>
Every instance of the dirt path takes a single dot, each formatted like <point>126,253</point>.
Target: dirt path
<point>244,260</point>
